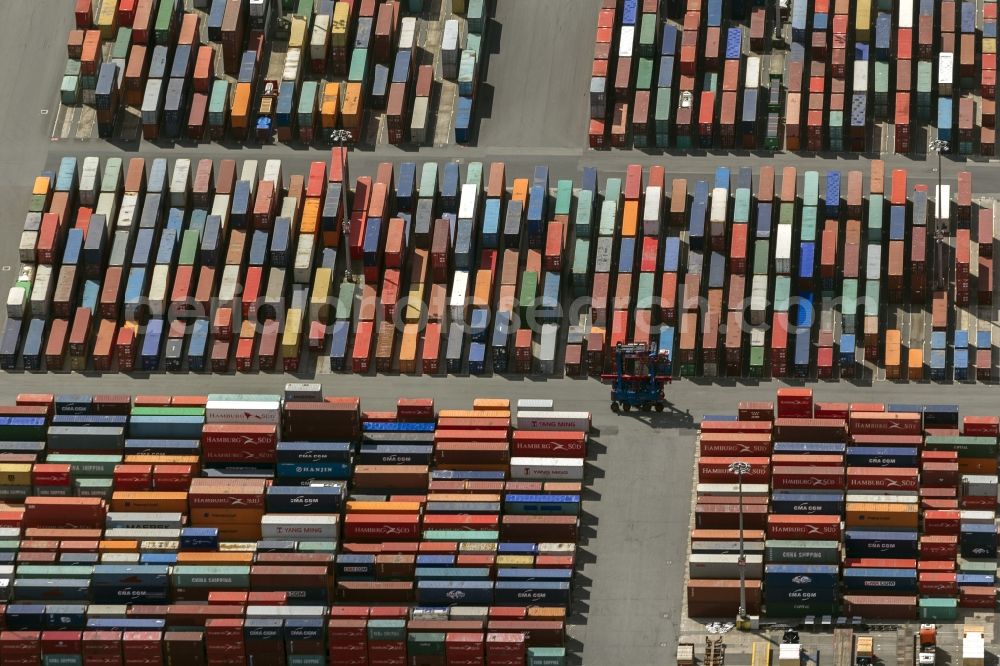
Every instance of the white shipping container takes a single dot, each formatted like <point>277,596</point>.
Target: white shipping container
<point>293,59</point>
<point>158,288</point>
<point>320,37</point>
<point>249,173</point>
<point>229,283</point>
<point>127,212</point>
<point>152,102</point>
<point>144,520</point>
<point>722,567</point>
<point>407,33</point>
<point>720,204</point>
<point>418,121</point>
<point>731,489</point>
<point>300,527</point>
<point>977,517</point>
<point>556,548</point>
<point>303,392</point>
<point>137,534</point>
<point>220,207</point>
<point>880,498</point>
<point>272,172</point>
<point>528,420</point>
<point>651,210</point>
<point>973,649</point>
<point>89,180</point>
<point>946,72</point>
<point>289,208</point>
<point>258,412</point>
<point>26,247</point>
<point>41,291</point>
<point>535,405</point>
<point>107,205</point>
<point>942,202</point>
<point>450,41</point>
<point>305,251</point>
<point>258,8</point>
<point>180,183</point>
<point>459,295</point>
<point>626,38</point>
<point>873,262</point>
<point>905,13</point>
<point>783,250</point>
<point>979,485</point>
<point>469,202</point>
<point>545,349</point>
<point>16,300</point>
<point>546,469</point>
<point>752,78</point>
<point>758,299</point>
<point>282,612</point>
<point>758,336</point>
<point>860,76</point>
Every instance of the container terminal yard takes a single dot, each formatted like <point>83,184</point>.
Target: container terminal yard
<point>873,427</point>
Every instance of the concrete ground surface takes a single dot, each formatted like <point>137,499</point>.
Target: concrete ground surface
<point>630,584</point>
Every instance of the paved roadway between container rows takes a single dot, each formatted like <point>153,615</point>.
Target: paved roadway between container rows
<point>635,530</point>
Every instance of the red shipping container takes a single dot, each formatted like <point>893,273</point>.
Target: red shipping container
<point>795,403</point>
<point>882,478</point>
<point>716,470</point>
<point>734,444</point>
<point>799,478</point>
<point>883,423</point>
<point>803,527</point>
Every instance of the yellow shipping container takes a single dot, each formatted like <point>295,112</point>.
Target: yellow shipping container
<point>515,561</point>
<point>213,558</point>
<point>480,404</point>
<point>292,334</point>
<point>860,514</point>
<point>322,279</point>
<point>297,32</point>
<point>408,349</point>
<point>463,497</point>
<point>457,6</point>
<point>339,24</point>
<point>630,219</point>
<point>989,44</point>
<point>107,20</point>
<point>330,106</point>
<point>41,185</point>
<point>357,506</point>
<point>15,474</point>
<point>863,21</point>
<point>474,414</point>
<point>310,215</point>
<point>414,303</point>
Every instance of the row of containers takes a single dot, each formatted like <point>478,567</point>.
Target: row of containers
<point>867,510</point>
<point>343,62</point>
<point>715,80</point>
<point>295,528</point>
<point>202,267</point>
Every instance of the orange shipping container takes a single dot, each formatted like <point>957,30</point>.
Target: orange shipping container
<point>630,218</point>
<point>520,191</point>
<point>330,106</point>
<point>862,514</point>
<point>241,106</point>
<point>353,107</point>
<point>310,216</point>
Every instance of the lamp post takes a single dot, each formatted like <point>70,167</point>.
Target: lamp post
<point>739,468</point>
<point>940,226</point>
<point>341,138</point>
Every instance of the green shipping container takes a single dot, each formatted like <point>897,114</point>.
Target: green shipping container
<point>967,447</point>
<point>644,292</point>
<point>123,40</point>
<point>527,295</point>
<point>24,432</point>
<point>428,181</point>
<point>72,68</point>
<point>661,117</point>
<point>94,487</point>
<point>306,11</point>
<point>86,465</point>
<point>474,44</point>
<point>425,643</point>
<point>711,82</point>
<point>345,301</point>
<point>480,536</point>
<point>741,206</point>
<point>475,16</point>
<point>609,215</point>
<point>167,411</point>
<point>546,656</point>
<point>10,545</point>
<point>761,257</point>
<point>215,577</point>
<point>164,25</point>
<point>871,298</point>
<point>874,222</point>
<point>644,74</point>
<point>584,214</point>
<point>358,71</point>
<point>648,25</point>
<point>836,125</point>
<point>581,267</point>
<point>974,567</point>
<point>317,547</point>
<point>938,609</point>
<point>189,247</point>
<point>810,188</point>
<point>808,227</point>
<point>218,103</point>
<point>776,610</point>
<point>387,630</point>
<point>69,90</point>
<point>802,552</point>
<point>35,571</point>
<point>307,104</point>
<point>756,361</point>
<point>613,190</point>
<point>564,197</point>
<point>782,291</point>
<point>112,178</point>
<point>849,296</point>
<point>474,174</point>
<point>786,213</point>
